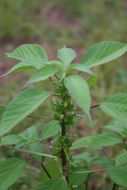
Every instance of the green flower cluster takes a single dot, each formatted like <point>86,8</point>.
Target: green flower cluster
<point>64,112</point>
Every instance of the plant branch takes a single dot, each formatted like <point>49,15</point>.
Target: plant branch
<point>45,170</point>
<point>114,186</point>
<point>37,117</point>
<point>63,155</point>
<point>87,182</point>
<point>99,170</point>
<point>30,152</point>
<point>57,77</point>
<point>94,106</point>
<point>42,165</point>
<point>50,79</point>
<point>66,172</point>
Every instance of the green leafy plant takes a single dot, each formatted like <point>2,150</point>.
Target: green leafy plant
<point>64,168</point>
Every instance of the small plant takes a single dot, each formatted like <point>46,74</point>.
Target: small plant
<point>71,169</point>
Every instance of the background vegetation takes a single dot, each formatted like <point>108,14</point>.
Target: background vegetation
<point>76,23</point>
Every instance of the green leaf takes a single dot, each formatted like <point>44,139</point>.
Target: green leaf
<point>79,91</point>
<point>10,140</point>
<point>119,176</point>
<point>98,141</point>
<point>36,147</point>
<point>103,52</point>
<point>21,67</point>
<point>66,55</point>
<point>77,179</point>
<point>117,127</point>
<point>116,107</point>
<point>91,81</point>
<point>43,74</point>
<point>81,67</point>
<point>30,55</point>
<point>105,140</point>
<point>29,135</point>
<point>29,52</point>
<point>83,142</point>
<point>83,157</point>
<point>20,107</point>
<point>25,65</point>
<point>104,161</point>
<point>30,138</point>
<point>54,62</point>
<point>31,64</point>
<point>52,184</point>
<point>121,159</point>
<point>10,171</point>
<point>50,130</point>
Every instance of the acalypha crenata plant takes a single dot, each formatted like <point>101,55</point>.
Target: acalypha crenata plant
<point>67,162</point>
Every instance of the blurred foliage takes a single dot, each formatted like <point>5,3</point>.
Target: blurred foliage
<point>63,21</point>
<point>18,18</point>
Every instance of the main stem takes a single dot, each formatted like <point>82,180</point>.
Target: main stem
<point>64,113</point>
<point>63,155</point>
